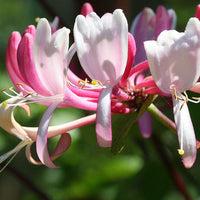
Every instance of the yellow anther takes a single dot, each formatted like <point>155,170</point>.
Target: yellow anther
<point>4,104</point>
<point>37,19</point>
<point>181,151</point>
<point>94,82</point>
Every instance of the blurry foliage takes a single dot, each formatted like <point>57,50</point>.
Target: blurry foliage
<point>86,170</point>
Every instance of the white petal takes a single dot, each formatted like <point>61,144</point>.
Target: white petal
<point>103,121</point>
<point>50,52</point>
<point>102,45</point>
<point>174,59</point>
<point>185,131</point>
<point>7,120</point>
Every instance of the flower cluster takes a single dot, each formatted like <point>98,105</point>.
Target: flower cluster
<point>124,72</point>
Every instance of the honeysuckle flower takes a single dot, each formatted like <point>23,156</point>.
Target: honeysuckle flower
<point>174,61</point>
<point>36,65</point>
<point>147,26</point>
<point>8,123</point>
<point>102,48</point>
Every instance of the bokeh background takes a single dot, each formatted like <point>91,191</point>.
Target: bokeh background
<point>146,169</point>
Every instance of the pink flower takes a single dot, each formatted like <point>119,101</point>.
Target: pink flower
<point>102,47</point>
<point>174,61</point>
<point>147,26</point>
<point>36,64</point>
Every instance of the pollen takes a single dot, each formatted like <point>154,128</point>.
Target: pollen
<point>37,19</point>
<point>94,82</point>
<point>181,151</point>
<point>4,104</point>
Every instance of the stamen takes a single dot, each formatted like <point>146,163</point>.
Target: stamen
<point>96,82</point>
<point>180,98</point>
<point>4,91</point>
<point>197,100</point>
<point>37,19</point>
<point>4,104</point>
<point>21,86</point>
<point>83,83</point>
<point>181,151</point>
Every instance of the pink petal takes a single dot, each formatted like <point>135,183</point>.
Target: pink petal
<point>197,13</point>
<point>145,125</point>
<point>185,131</point>
<point>131,56</point>
<point>62,146</point>
<point>196,88</point>
<point>71,99</point>
<point>163,20</point>
<point>103,121</point>
<point>143,28</point>
<point>27,66</point>
<point>41,141</point>
<point>102,45</point>
<point>86,9</point>
<point>12,64</point>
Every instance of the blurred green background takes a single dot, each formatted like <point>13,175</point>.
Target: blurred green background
<point>146,169</point>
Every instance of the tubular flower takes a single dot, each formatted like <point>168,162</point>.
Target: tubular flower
<point>8,123</point>
<point>33,61</point>
<point>174,61</point>
<point>102,48</point>
<point>147,26</point>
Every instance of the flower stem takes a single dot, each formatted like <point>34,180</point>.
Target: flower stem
<point>152,109</point>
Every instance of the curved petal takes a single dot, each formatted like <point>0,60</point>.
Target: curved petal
<point>102,45</point>
<point>41,140</point>
<point>7,120</point>
<point>27,66</point>
<point>185,131</point>
<point>145,125</point>
<point>130,60</point>
<point>103,121</point>
<point>50,53</point>
<point>12,64</point>
<point>62,146</point>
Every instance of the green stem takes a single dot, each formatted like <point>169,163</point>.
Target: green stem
<point>152,109</point>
